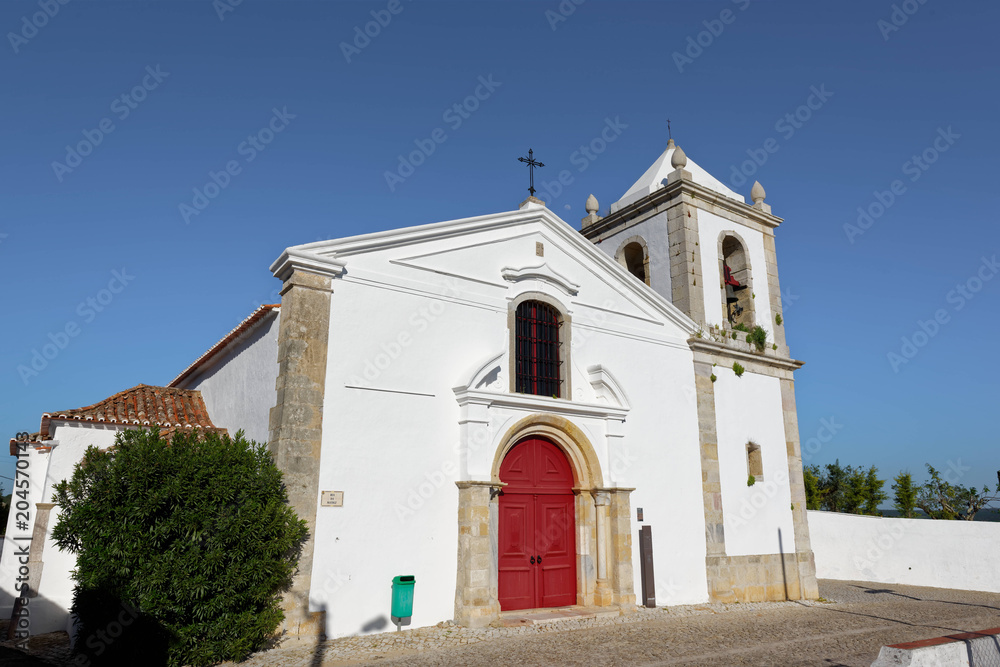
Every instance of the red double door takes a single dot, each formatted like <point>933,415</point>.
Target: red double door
<point>537,537</point>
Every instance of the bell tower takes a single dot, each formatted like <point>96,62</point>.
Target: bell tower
<point>697,243</point>
<point>701,246</point>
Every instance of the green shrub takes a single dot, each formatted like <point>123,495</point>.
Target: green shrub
<point>713,378</point>
<point>192,540</point>
<point>758,337</point>
<point>738,369</point>
<point>777,319</point>
<point>741,327</point>
<point>751,480</point>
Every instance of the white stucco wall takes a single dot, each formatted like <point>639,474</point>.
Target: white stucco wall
<point>748,408</point>
<point>410,324</point>
<point>50,609</point>
<point>918,552</point>
<point>654,232</point>
<point>238,383</point>
<point>710,228</point>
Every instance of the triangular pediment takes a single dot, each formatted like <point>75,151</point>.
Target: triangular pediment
<point>493,253</point>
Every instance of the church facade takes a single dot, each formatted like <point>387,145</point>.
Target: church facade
<point>498,405</point>
<point>503,402</point>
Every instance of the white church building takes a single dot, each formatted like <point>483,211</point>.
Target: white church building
<point>499,406</point>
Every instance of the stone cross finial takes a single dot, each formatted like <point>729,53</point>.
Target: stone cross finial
<point>678,160</point>
<point>757,194</point>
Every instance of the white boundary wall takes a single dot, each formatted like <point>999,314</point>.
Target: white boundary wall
<point>919,552</point>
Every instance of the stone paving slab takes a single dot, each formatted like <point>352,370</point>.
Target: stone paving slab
<point>847,629</point>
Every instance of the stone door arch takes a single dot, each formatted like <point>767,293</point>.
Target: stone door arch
<point>603,527</point>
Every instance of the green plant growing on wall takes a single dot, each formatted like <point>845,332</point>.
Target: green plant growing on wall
<point>778,320</point>
<point>774,346</point>
<point>751,480</point>
<point>713,378</point>
<point>741,327</point>
<point>738,369</point>
<point>758,337</point>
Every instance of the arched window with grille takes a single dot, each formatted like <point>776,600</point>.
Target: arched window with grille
<point>537,353</point>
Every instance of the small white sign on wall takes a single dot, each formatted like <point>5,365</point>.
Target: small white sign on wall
<point>332,499</point>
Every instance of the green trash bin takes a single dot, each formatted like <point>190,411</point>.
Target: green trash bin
<point>402,599</point>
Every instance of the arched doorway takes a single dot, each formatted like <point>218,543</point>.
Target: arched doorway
<point>537,545</point>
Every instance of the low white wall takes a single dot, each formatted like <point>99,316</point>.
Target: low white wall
<point>918,552</point>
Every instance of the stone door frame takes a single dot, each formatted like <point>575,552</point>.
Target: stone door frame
<point>603,525</point>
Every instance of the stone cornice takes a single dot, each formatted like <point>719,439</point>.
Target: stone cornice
<point>722,350</point>
<point>672,190</point>
<point>534,403</point>
<point>294,259</point>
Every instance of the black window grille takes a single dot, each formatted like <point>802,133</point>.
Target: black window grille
<point>537,349</point>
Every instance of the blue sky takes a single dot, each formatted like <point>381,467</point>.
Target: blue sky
<point>201,80</point>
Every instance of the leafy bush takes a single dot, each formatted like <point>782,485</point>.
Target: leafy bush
<point>184,545</point>
<point>751,480</point>
<point>777,319</point>
<point>738,369</point>
<point>741,327</point>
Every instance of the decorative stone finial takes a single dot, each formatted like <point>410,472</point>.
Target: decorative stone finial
<point>678,160</point>
<point>591,205</point>
<point>670,143</point>
<point>757,194</point>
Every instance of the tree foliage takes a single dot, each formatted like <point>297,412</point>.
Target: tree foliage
<point>844,489</point>
<point>905,499</point>
<point>184,545</point>
<point>940,499</point>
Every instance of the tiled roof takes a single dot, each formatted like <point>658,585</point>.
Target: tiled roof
<point>143,405</point>
<point>243,327</point>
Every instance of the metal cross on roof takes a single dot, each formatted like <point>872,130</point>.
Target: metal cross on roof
<point>532,163</point>
<point>670,135</point>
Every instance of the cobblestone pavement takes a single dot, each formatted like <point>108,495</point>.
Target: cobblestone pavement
<point>848,630</point>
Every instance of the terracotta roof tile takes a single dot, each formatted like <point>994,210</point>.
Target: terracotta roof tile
<point>169,408</point>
